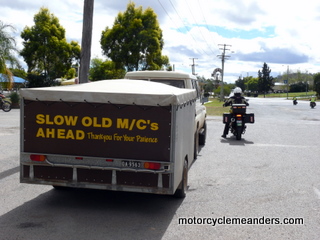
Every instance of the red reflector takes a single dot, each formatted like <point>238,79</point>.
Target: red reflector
<point>38,158</point>
<point>79,158</point>
<point>109,160</point>
<point>151,165</point>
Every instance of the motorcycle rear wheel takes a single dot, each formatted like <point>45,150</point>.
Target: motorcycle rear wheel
<point>6,107</point>
<point>238,132</point>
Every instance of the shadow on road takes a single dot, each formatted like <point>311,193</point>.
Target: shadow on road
<point>90,214</point>
<point>233,141</point>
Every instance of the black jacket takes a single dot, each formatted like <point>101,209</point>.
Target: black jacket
<point>235,100</point>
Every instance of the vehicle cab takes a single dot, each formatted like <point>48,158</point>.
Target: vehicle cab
<point>180,80</point>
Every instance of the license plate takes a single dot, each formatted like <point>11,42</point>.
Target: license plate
<point>132,164</point>
<point>239,123</point>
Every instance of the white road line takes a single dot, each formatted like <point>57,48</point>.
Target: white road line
<point>279,145</point>
<point>317,192</point>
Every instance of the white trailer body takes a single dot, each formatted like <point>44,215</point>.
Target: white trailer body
<point>122,135</point>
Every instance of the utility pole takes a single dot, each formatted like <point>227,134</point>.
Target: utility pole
<point>223,57</point>
<point>287,81</point>
<point>86,41</point>
<point>193,66</point>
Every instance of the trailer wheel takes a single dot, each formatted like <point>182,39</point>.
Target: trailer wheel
<point>182,188</point>
<point>60,188</point>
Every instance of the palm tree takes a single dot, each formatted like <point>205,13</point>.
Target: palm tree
<point>7,49</point>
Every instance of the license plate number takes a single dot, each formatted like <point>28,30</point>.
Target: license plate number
<point>239,123</point>
<point>131,164</point>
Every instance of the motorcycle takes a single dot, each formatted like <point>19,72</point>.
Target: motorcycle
<point>5,104</point>
<point>295,102</point>
<point>312,104</point>
<point>237,119</point>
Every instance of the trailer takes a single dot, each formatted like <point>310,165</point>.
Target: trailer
<point>121,135</point>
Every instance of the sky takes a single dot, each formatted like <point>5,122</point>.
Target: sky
<point>281,33</point>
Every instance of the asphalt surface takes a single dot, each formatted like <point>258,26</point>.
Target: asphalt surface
<point>271,176</point>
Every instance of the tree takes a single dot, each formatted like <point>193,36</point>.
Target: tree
<point>104,70</point>
<point>19,71</point>
<point>36,80</point>
<point>7,50</point>
<point>135,40</point>
<point>208,86</point>
<point>252,84</point>
<point>71,73</point>
<point>265,81</point>
<point>241,83</point>
<point>316,85</point>
<point>226,89</point>
<point>298,87</point>
<point>46,50</point>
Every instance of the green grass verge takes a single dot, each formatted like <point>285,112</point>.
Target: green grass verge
<point>290,95</point>
<point>214,107</point>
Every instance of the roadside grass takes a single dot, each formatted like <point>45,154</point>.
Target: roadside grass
<point>214,107</point>
<point>299,95</point>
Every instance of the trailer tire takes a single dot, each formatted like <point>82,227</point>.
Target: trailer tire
<point>60,188</point>
<point>183,186</point>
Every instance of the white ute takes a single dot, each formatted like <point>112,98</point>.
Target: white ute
<point>180,80</point>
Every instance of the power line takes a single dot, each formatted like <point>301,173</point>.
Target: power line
<point>197,44</point>
<point>188,30</point>
<point>205,21</point>
<point>166,12</point>
<point>204,38</point>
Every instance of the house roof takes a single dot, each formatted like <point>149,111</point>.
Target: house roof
<point>15,79</point>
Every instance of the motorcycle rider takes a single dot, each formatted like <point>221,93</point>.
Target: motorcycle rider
<point>313,100</point>
<point>235,99</point>
<point>295,100</point>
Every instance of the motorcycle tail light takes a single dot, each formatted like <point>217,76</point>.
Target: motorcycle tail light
<point>239,115</point>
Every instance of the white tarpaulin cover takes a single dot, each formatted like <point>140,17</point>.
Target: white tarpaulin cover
<point>119,91</point>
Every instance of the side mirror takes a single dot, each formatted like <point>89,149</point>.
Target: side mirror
<point>204,100</point>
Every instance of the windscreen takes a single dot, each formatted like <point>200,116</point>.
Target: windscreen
<point>174,83</point>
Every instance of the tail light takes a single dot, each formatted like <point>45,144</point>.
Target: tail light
<point>152,165</point>
<point>38,158</point>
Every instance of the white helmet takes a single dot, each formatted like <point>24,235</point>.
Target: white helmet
<point>237,90</point>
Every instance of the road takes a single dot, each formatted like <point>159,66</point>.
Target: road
<point>272,175</point>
